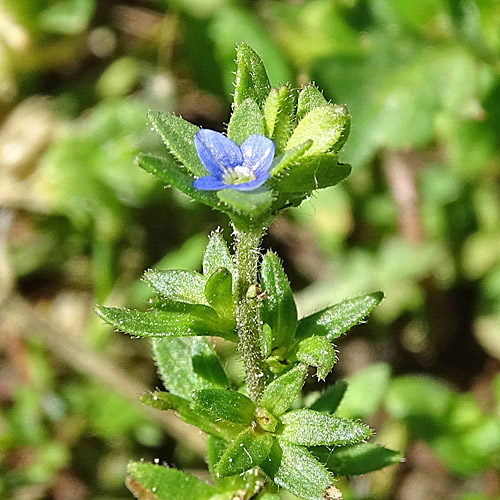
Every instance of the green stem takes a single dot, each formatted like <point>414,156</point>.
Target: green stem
<point>248,322</point>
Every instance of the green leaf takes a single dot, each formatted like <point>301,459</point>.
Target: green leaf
<point>278,308</point>
<point>365,391</point>
<point>247,450</point>
<point>219,293</point>
<point>208,367</point>
<point>292,467</point>
<point>178,285</point>
<point>328,127</point>
<point>356,459</point>
<point>226,404</point>
<point>333,321</point>
<point>188,364</point>
<point>287,159</point>
<point>312,428</point>
<point>319,352</point>
<point>279,116</point>
<point>178,135</point>
<point>180,320</point>
<point>281,392</point>
<point>194,416</point>
<point>167,170</point>
<point>249,203</point>
<point>266,340</point>
<point>310,97</point>
<point>330,399</point>
<point>251,77</point>
<point>247,119</point>
<point>165,483</point>
<point>215,448</point>
<point>217,255</point>
<point>316,172</point>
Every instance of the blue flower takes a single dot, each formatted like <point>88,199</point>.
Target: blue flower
<point>230,166</point>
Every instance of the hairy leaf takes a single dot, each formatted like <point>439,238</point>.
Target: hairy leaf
<point>247,450</point>
<point>318,352</point>
<point>310,97</point>
<point>292,467</point>
<point>188,364</point>
<point>226,404</point>
<point>278,308</point>
<point>178,135</point>
<point>279,115</point>
<point>356,459</point>
<point>333,321</point>
<point>178,285</point>
<point>328,127</point>
<point>168,484</point>
<point>312,428</point>
<point>195,416</point>
<point>316,172</point>
<point>180,320</point>
<point>167,170</point>
<point>251,77</point>
<point>219,293</point>
<point>281,392</point>
<point>288,158</point>
<point>247,119</point>
<point>217,255</point>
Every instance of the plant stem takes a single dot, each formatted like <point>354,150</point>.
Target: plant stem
<point>248,323</point>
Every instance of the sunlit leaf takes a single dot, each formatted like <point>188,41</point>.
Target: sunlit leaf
<point>247,450</point>
<point>180,320</point>
<point>279,115</point>
<point>319,352</point>
<point>278,308</point>
<point>312,428</point>
<point>281,392</point>
<point>219,293</point>
<point>178,285</point>
<point>246,119</point>
<point>328,127</point>
<point>188,364</point>
<point>356,459</point>
<point>178,135</point>
<point>251,77</point>
<point>333,321</point>
<point>226,404</point>
<point>191,415</point>
<point>292,467</point>
<point>216,255</point>
<point>168,484</point>
<point>167,170</point>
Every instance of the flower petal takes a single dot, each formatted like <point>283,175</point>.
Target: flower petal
<point>216,151</point>
<point>209,183</point>
<point>258,153</point>
<point>250,185</point>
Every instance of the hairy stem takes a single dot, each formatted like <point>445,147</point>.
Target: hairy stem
<point>248,323</point>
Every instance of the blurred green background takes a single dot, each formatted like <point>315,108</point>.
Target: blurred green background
<point>419,218</point>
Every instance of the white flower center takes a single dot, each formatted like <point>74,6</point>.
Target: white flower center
<point>238,175</point>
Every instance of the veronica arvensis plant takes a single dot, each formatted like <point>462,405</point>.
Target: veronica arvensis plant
<point>280,146</point>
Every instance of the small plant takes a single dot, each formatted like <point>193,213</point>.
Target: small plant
<point>280,146</point>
